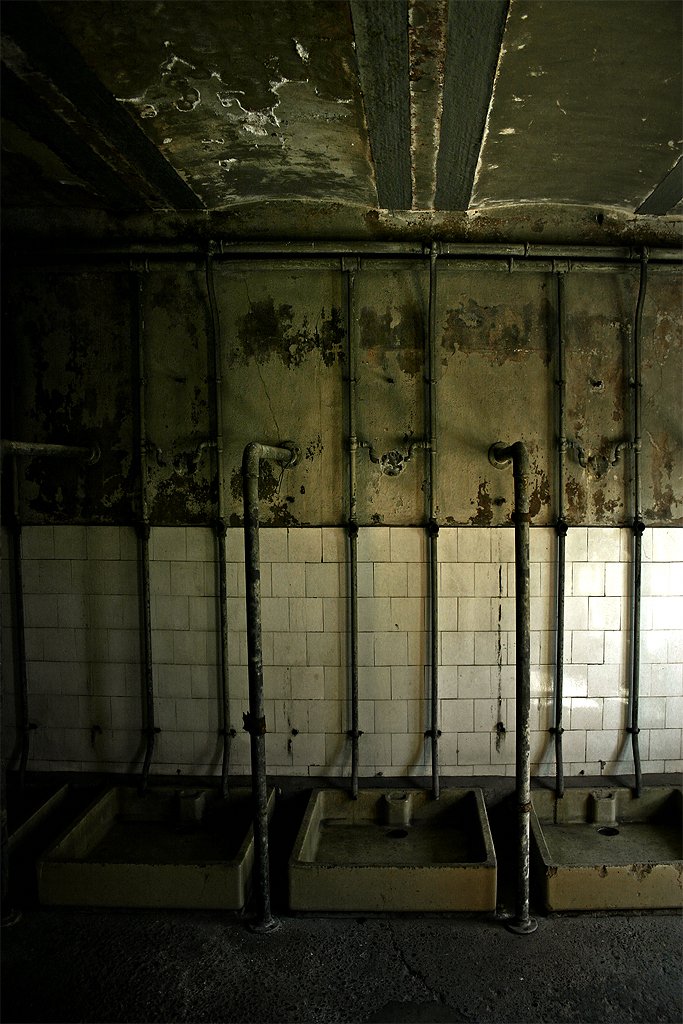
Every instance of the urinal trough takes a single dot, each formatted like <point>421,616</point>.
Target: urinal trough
<point>394,851</point>
<point>605,849</point>
<point>185,848</point>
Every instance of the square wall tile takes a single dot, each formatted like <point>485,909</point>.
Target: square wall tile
<point>474,544</point>
<point>408,544</point>
<point>305,544</point>
<point>374,544</point>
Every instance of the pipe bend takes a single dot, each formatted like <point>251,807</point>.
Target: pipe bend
<point>287,454</point>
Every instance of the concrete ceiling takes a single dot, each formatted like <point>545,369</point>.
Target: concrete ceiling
<point>356,105</point>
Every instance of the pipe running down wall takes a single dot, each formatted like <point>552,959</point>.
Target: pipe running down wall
<point>221,525</point>
<point>501,455</point>
<point>433,527</point>
<point>287,454</point>
<point>638,525</point>
<point>561,535</point>
<point>150,729</point>
<point>352,525</point>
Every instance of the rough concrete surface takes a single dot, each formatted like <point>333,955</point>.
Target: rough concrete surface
<point>76,965</point>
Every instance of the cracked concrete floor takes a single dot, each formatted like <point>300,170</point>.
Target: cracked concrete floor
<point>124,965</point>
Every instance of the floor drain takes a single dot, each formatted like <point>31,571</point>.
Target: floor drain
<point>608,830</point>
<point>397,833</point>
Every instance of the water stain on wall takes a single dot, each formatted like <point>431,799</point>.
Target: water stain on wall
<point>399,330</point>
<point>501,332</point>
<point>279,506</point>
<point>663,463</point>
<point>268,330</point>
<point>484,514</point>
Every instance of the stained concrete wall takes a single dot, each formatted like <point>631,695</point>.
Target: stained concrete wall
<point>71,376</point>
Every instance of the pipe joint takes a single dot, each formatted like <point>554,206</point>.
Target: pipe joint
<point>500,455</point>
<point>433,528</point>
<point>556,730</point>
<point>354,734</point>
<point>151,730</point>
<point>638,528</point>
<point>253,725</point>
<point>352,528</point>
<point>144,530</point>
<point>633,730</point>
<point>561,527</point>
<point>430,733</point>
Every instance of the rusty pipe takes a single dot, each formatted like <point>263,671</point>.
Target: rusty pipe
<point>433,526</point>
<point>561,535</point>
<point>638,528</point>
<point>150,728</point>
<point>220,528</point>
<point>501,455</point>
<point>352,531</point>
<point>35,449</point>
<point>255,721</point>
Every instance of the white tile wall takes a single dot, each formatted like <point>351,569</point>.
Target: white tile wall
<point>84,658</point>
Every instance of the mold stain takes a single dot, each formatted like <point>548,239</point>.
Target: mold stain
<point>662,468</point>
<point>540,495</point>
<point>604,507</point>
<point>399,330</point>
<point>576,500</point>
<point>266,330</point>
<point>279,507</point>
<point>484,514</point>
<point>500,332</point>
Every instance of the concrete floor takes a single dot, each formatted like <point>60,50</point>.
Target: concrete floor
<point>101,965</point>
<point>105,966</point>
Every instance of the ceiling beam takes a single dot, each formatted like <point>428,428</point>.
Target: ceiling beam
<point>381,33</point>
<point>38,54</point>
<point>475,34</point>
<point>22,107</point>
<point>667,194</point>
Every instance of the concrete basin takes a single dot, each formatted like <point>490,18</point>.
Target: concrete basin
<point>169,848</point>
<point>394,850</point>
<point>605,849</point>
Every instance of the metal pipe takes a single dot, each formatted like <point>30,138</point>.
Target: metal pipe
<point>255,720</point>
<point>501,455</point>
<point>143,530</point>
<point>221,526</point>
<point>561,533</point>
<point>352,530</point>
<point>638,526</point>
<point>433,526</point>
<point>33,449</point>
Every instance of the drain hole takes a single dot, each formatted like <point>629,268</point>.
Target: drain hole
<point>397,833</point>
<point>608,830</point>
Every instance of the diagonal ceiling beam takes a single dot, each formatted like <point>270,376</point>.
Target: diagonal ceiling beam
<point>21,106</point>
<point>667,194</point>
<point>45,60</point>
<point>475,34</point>
<point>381,33</point>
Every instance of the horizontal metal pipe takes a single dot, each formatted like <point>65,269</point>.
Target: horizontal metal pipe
<point>33,449</point>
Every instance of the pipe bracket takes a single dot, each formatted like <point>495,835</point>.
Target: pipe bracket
<point>354,734</point>
<point>254,726</point>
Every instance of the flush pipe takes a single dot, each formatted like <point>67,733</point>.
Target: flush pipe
<point>432,526</point>
<point>29,449</point>
<point>150,729</point>
<point>352,527</point>
<point>501,455</point>
<point>561,533</point>
<point>220,528</point>
<point>255,721</point>
<point>638,526</point>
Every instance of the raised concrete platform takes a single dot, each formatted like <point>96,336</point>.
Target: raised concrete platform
<point>605,849</point>
<point>394,851</point>
<point>171,847</point>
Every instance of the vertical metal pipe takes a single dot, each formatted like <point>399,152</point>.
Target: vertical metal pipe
<point>561,533</point>
<point>501,455</point>
<point>143,531</point>
<point>432,526</point>
<point>220,529</point>
<point>352,527</point>
<point>638,526</point>
<point>255,720</point>
<point>20,668</point>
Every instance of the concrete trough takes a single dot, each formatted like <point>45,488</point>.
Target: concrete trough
<point>394,850</point>
<point>171,847</point>
<point>605,849</point>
